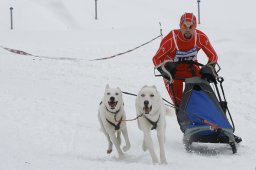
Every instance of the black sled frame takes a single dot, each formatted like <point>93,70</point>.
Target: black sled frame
<point>218,134</point>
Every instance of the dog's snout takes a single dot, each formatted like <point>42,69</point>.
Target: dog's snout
<point>146,103</point>
<point>112,98</point>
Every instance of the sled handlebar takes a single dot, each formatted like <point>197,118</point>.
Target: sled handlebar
<point>190,62</point>
<point>166,73</point>
<point>200,64</point>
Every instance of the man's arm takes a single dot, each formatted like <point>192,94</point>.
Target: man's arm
<point>164,50</point>
<point>207,48</point>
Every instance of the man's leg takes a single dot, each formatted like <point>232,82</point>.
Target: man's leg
<point>175,91</point>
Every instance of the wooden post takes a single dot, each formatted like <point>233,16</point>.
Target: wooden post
<point>11,8</point>
<point>96,10</point>
<point>198,4</point>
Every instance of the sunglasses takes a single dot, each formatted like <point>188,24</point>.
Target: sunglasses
<point>187,25</point>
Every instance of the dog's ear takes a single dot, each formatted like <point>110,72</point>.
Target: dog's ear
<point>144,86</point>
<point>107,86</point>
<point>119,90</point>
<point>154,87</point>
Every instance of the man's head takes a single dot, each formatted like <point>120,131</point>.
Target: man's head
<point>188,25</point>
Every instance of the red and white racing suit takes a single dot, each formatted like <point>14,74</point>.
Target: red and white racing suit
<point>176,48</point>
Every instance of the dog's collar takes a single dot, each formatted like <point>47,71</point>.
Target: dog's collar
<point>113,112</point>
<point>154,124</point>
<point>117,127</point>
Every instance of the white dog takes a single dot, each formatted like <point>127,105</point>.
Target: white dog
<point>150,106</point>
<point>111,113</point>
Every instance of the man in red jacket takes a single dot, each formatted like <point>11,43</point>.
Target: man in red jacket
<point>183,45</point>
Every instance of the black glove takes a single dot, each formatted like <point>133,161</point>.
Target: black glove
<point>208,72</point>
<point>170,67</point>
<point>165,76</point>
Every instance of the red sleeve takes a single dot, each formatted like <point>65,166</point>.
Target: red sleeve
<point>207,47</point>
<point>165,49</point>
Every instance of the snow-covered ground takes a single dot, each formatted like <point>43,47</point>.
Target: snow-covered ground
<point>48,107</point>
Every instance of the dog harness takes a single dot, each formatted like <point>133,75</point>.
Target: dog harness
<point>117,127</point>
<point>154,124</point>
<point>113,112</point>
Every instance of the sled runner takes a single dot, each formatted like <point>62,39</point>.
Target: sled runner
<point>202,114</point>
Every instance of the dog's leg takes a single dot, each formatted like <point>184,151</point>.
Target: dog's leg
<point>118,136</point>
<point>144,146</point>
<point>110,144</point>
<point>149,145</point>
<point>116,143</point>
<point>161,141</point>
<point>126,138</point>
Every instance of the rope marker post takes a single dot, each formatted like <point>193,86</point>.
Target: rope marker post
<point>161,30</point>
<point>11,9</point>
<point>96,10</point>
<point>198,4</point>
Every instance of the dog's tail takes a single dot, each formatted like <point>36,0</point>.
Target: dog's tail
<point>169,111</point>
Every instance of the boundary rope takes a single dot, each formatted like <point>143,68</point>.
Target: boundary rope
<point>20,52</point>
<point>105,58</point>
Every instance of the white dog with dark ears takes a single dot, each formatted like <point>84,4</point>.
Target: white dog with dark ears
<point>110,114</point>
<point>150,106</point>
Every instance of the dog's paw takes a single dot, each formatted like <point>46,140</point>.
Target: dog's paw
<point>163,161</point>
<point>126,148</point>
<point>121,157</point>
<point>109,151</point>
<point>155,162</point>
